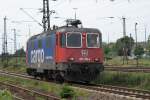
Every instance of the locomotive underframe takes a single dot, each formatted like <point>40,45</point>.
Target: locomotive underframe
<point>82,72</point>
<point>77,72</point>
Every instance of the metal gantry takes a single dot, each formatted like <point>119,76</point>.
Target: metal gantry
<point>15,47</point>
<point>136,43</point>
<point>4,45</point>
<point>125,50</point>
<point>124,26</point>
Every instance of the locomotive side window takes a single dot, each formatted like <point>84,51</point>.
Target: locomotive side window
<point>39,43</point>
<point>93,40</point>
<point>32,44</point>
<point>74,40</point>
<point>48,42</point>
<point>63,40</point>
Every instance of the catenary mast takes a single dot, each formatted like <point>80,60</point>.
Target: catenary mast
<point>46,17</point>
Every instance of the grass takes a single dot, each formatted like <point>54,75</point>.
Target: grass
<point>21,61</point>
<point>67,92</point>
<point>132,80</point>
<point>5,95</point>
<point>131,62</point>
<point>53,88</point>
<point>20,68</point>
<point>32,84</point>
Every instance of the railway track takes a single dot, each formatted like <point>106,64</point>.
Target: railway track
<point>26,94</point>
<point>142,94</point>
<point>137,94</point>
<point>128,69</point>
<point>25,76</point>
<point>20,93</point>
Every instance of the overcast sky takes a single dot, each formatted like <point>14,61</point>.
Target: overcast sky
<point>91,14</point>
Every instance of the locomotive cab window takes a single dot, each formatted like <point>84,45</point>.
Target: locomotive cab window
<point>74,40</point>
<point>63,40</point>
<point>93,40</point>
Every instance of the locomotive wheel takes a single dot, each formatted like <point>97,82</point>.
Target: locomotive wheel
<point>58,78</point>
<point>34,74</point>
<point>41,76</point>
<point>48,75</point>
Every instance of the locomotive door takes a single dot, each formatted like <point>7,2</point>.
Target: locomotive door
<point>57,48</point>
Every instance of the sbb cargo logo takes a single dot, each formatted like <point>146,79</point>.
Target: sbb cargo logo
<point>37,56</point>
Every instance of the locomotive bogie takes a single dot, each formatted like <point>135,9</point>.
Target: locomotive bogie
<point>83,72</point>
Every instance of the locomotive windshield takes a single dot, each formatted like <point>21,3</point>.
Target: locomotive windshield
<point>74,40</point>
<point>93,40</point>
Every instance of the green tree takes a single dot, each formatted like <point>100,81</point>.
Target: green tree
<point>20,52</point>
<point>124,42</point>
<point>106,50</point>
<point>139,50</point>
<point>109,49</point>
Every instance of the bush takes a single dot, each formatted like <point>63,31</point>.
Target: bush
<point>132,80</point>
<point>67,92</point>
<point>5,95</point>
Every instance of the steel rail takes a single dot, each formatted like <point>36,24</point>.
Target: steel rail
<point>141,94</point>
<point>16,74</point>
<point>35,93</point>
<point>17,98</point>
<point>104,88</point>
<point>129,69</point>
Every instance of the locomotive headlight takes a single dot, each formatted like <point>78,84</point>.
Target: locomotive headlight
<point>96,59</point>
<point>71,59</point>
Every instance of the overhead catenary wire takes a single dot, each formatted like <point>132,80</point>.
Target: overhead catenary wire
<point>31,17</point>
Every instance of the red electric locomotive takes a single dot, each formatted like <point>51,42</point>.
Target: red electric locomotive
<point>77,56</point>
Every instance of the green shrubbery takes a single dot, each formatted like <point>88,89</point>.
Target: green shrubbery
<point>133,80</point>
<point>67,92</point>
<point>5,95</point>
